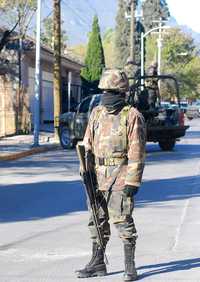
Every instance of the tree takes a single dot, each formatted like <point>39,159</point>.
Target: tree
<point>109,48</point>
<point>94,61</point>
<point>181,58</point>
<point>154,10</point>
<point>17,15</point>
<point>47,34</point>
<point>20,12</point>
<point>122,35</point>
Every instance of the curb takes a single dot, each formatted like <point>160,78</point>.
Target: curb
<point>19,155</point>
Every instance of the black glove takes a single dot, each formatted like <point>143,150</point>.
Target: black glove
<point>130,190</point>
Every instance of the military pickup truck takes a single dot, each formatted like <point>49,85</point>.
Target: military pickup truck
<point>164,125</point>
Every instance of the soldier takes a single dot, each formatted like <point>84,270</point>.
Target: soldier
<point>152,85</point>
<point>116,136</point>
<point>132,70</point>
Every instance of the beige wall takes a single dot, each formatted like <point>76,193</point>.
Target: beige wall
<point>12,115</point>
<point>7,112</point>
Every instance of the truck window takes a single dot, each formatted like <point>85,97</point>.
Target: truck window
<point>84,107</point>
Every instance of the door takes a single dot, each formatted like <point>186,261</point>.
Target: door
<point>47,105</point>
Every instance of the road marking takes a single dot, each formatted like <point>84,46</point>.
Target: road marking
<point>178,231</point>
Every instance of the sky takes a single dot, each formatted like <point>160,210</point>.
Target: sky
<point>186,12</point>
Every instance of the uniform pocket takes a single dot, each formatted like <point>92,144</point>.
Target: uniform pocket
<point>126,205</point>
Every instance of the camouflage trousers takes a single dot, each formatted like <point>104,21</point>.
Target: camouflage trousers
<point>117,208</point>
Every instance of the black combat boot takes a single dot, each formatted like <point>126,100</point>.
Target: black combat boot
<point>96,266</point>
<point>130,273</point>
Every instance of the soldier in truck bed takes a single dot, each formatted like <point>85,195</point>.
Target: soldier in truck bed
<point>116,136</point>
<point>152,86</point>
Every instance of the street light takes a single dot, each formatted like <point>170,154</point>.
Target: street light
<point>143,35</point>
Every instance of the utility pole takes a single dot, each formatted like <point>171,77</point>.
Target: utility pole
<point>57,66</point>
<point>132,30</point>
<point>37,78</point>
<point>20,49</point>
<point>159,42</point>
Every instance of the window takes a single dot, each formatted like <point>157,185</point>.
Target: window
<point>84,106</point>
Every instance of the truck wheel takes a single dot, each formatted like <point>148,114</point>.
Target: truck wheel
<point>167,145</point>
<point>65,138</point>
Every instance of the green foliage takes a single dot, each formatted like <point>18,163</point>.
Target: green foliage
<point>109,48</point>
<point>151,50</point>
<point>94,61</point>
<point>18,11</point>
<point>180,58</point>
<point>122,41</point>
<point>153,10</point>
<point>122,38</point>
<point>47,34</point>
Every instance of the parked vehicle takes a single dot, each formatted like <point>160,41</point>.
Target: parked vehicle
<point>73,124</point>
<point>193,110</point>
<point>164,124</point>
<point>184,106</point>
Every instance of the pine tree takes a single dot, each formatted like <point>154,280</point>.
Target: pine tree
<point>153,10</point>
<point>122,37</point>
<point>94,61</point>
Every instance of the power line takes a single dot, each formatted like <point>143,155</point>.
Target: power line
<point>77,14</point>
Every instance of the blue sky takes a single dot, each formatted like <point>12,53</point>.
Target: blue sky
<point>186,12</point>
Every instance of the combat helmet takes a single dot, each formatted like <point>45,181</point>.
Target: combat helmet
<point>114,79</point>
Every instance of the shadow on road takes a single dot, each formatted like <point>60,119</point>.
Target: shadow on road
<point>181,152</point>
<point>162,190</point>
<point>192,135</point>
<point>21,202</point>
<point>171,266</point>
<point>40,200</point>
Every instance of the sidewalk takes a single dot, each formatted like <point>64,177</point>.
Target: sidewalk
<point>19,146</point>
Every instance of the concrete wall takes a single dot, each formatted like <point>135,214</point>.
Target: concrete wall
<point>17,107</point>
<point>7,108</point>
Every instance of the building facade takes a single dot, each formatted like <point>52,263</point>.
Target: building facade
<point>17,88</point>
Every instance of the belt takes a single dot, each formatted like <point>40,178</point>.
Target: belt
<point>110,161</point>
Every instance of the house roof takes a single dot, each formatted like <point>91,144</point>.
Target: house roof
<point>46,53</point>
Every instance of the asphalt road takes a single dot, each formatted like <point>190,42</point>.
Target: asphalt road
<point>43,217</point>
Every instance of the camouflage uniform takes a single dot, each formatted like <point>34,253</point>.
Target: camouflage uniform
<point>131,70</point>
<point>152,85</point>
<point>114,138</point>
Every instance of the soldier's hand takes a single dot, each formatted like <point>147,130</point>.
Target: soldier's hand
<point>130,190</point>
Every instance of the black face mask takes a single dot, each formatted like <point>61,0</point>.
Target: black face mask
<point>113,101</point>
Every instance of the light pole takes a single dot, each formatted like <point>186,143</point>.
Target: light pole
<point>37,78</point>
<point>143,35</point>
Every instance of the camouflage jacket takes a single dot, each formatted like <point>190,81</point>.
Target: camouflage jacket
<point>117,136</point>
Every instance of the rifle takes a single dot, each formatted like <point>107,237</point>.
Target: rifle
<point>88,176</point>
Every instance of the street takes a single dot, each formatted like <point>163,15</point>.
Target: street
<point>43,217</point>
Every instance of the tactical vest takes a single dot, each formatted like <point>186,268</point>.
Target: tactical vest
<point>110,145</point>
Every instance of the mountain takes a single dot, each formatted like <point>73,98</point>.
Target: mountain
<point>78,17</point>
<point>195,35</point>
